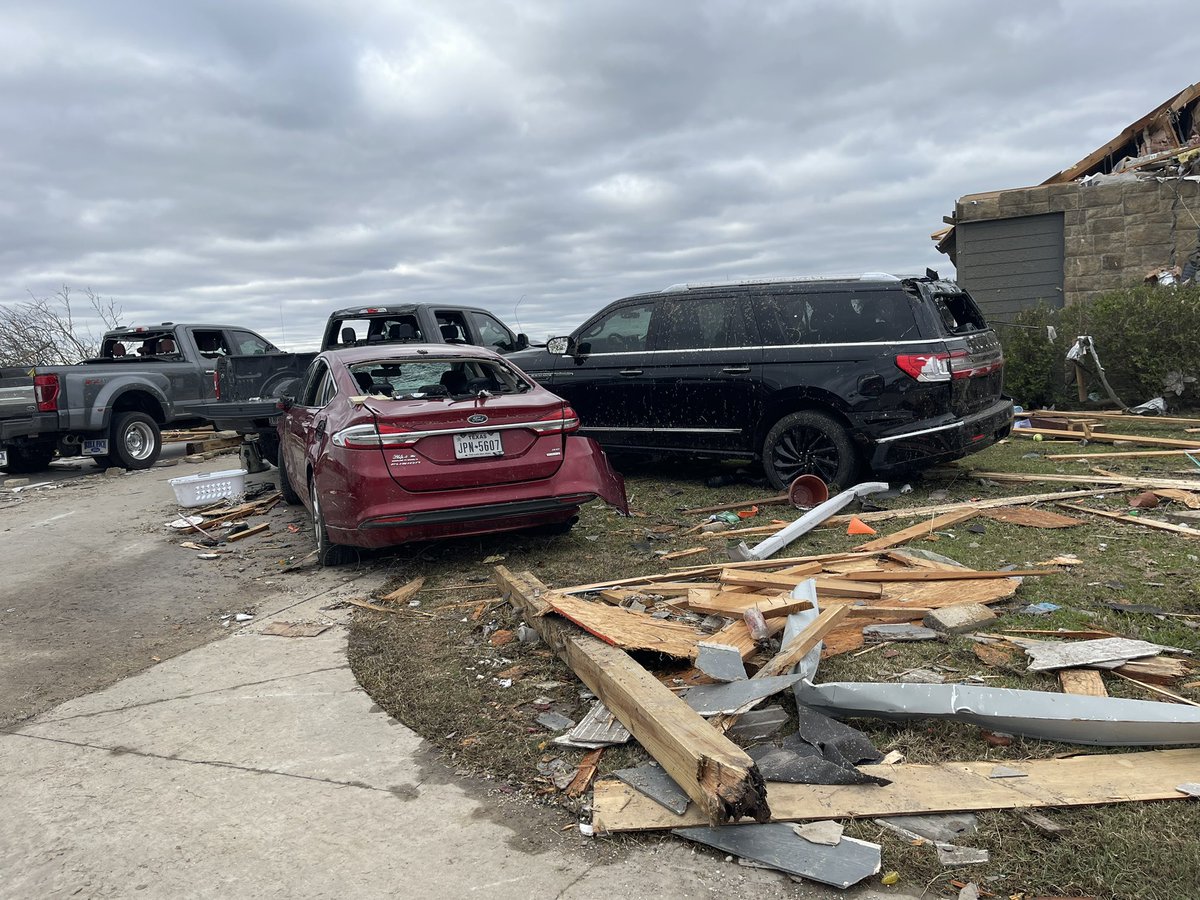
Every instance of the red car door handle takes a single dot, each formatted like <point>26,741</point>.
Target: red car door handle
<point>631,371</point>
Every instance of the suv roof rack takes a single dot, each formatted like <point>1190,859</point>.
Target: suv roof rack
<point>690,285</point>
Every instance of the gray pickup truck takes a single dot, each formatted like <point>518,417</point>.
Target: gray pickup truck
<point>113,407</point>
<point>249,387</point>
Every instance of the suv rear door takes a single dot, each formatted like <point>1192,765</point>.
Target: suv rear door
<point>976,359</point>
<point>705,369</point>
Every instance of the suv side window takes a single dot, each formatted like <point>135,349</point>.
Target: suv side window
<point>492,334</point>
<point>837,317</point>
<point>623,330</point>
<point>690,324</point>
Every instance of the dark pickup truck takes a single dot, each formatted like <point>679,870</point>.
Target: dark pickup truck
<point>249,387</point>
<point>113,407</point>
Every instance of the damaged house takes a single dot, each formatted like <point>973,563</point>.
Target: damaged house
<point>1128,211</point>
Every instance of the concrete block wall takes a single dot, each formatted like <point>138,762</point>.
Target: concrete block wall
<point>1113,232</point>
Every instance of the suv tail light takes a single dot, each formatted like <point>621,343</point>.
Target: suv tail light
<point>563,422</point>
<point>936,366</point>
<point>45,392</point>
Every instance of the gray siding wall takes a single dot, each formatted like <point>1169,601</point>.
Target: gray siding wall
<point>1011,264</point>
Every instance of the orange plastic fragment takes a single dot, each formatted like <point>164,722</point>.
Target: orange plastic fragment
<point>858,526</point>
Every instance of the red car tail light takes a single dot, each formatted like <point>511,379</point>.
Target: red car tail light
<point>563,422</point>
<point>45,392</point>
<point>361,437</point>
<point>935,366</point>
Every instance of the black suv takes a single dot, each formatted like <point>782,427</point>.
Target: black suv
<point>812,376</point>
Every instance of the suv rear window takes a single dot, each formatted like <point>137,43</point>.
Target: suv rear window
<point>958,312</point>
<point>837,317</point>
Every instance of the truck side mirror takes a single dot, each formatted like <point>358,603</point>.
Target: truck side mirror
<point>557,346</point>
<point>522,341</point>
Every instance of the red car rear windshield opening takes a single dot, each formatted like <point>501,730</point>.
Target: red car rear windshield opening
<point>424,379</point>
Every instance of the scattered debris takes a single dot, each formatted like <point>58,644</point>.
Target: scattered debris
<point>899,632</point>
<point>1046,656</point>
<point>777,846</point>
<point>758,724</point>
<point>598,728</point>
<point>826,833</point>
<point>553,721</point>
<point>720,661</point>
<point>295,629</point>
<point>959,619</point>
<point>656,784</point>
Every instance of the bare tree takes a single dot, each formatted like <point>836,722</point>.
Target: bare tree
<point>47,331</point>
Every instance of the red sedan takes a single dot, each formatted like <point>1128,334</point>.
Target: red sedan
<point>418,441</point>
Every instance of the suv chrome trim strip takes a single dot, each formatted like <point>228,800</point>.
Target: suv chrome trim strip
<point>907,434</point>
<point>894,343</point>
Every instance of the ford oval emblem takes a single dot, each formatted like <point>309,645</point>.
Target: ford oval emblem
<point>477,419</point>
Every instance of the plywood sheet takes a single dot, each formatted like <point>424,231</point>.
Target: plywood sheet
<point>1085,682</point>
<point>944,787</point>
<point>1031,517</point>
<point>936,594</point>
<point>627,629</point>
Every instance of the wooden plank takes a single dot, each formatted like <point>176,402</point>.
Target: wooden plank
<point>832,586</point>
<point>1134,520</point>
<point>939,788</point>
<point>1120,454</point>
<point>717,774</point>
<point>1106,478</point>
<point>774,580</point>
<point>679,554</point>
<point>920,530</point>
<point>405,593</point>
<point>946,575</point>
<point>1162,692</point>
<point>732,605</point>
<point>627,629</point>
<point>1084,682</point>
<point>1106,438</point>
<point>249,532</point>
<point>217,444</point>
<point>1031,517</point>
<point>1188,499</point>
<point>737,634</point>
<point>1156,670</point>
<point>1142,420</point>
<point>938,594</point>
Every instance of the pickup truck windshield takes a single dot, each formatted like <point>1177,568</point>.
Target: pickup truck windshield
<point>430,378</point>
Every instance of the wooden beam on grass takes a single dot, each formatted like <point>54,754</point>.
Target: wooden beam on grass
<point>1134,520</point>
<point>943,575</point>
<point>1114,479</point>
<point>772,580</point>
<point>939,788</point>
<point>732,604</point>
<point>407,592</point>
<point>1120,454</point>
<point>1106,438</point>
<point>718,775</point>
<point>920,530</point>
<point>1144,420</point>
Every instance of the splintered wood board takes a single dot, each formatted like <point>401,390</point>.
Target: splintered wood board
<point>836,586</point>
<point>627,629</point>
<point>920,530</point>
<point>946,575</point>
<point>737,634</point>
<point>941,788</point>
<point>1135,520</point>
<point>733,605</point>
<point>1187,498</point>
<point>1084,682</point>
<point>1031,517</point>
<point>1106,438</point>
<point>774,580</point>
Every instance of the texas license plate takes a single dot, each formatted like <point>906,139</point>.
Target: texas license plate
<point>95,447</point>
<point>3,457</point>
<point>476,444</point>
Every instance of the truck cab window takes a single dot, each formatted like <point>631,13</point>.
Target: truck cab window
<point>247,344</point>
<point>210,343</point>
<point>453,326</point>
<point>493,335</point>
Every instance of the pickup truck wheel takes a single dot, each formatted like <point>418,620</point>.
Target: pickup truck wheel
<point>328,553</point>
<point>286,490</point>
<point>809,443</point>
<point>135,441</point>
<point>29,459</point>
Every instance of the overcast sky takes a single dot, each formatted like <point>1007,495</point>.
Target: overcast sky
<point>261,163</point>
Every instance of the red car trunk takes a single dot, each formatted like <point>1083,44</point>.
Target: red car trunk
<point>442,444</point>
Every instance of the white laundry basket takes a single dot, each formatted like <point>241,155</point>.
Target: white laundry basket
<point>197,490</point>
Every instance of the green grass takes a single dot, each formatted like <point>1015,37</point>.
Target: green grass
<point>425,670</point>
